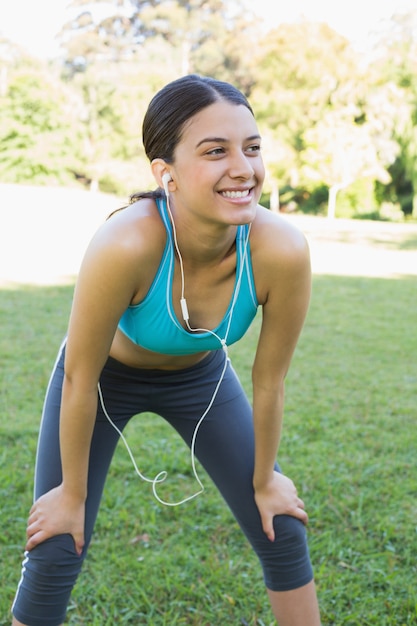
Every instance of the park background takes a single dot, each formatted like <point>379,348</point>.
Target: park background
<point>339,122</point>
<point>338,117</point>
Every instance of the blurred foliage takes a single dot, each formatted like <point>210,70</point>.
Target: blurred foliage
<point>339,127</point>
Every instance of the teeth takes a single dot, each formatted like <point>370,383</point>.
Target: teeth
<point>236,194</point>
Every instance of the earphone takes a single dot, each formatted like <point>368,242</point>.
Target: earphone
<point>161,476</point>
<point>166,178</point>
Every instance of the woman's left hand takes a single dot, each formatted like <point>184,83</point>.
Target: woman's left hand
<point>278,497</point>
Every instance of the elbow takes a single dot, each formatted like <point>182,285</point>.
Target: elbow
<point>268,382</point>
<point>77,383</point>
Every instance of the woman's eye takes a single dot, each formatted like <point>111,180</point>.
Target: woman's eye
<point>220,150</point>
<point>215,151</point>
<point>254,148</point>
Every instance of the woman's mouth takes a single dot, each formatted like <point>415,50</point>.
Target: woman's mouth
<point>236,194</point>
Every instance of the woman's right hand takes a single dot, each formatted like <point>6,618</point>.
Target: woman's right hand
<point>278,497</point>
<point>56,513</point>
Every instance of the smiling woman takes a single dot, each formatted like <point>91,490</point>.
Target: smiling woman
<point>165,286</point>
<point>200,161</point>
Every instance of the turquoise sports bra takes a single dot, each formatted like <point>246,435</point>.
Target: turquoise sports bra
<point>152,324</point>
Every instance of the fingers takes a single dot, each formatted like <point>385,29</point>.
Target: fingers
<point>35,521</point>
<point>37,537</point>
<point>32,515</point>
<point>33,526</point>
<point>79,545</point>
<point>302,515</point>
<point>37,532</point>
<point>34,540</point>
<point>268,527</point>
<point>300,512</point>
<point>34,532</point>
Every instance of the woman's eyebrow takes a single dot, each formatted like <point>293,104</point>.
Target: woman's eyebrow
<point>223,139</point>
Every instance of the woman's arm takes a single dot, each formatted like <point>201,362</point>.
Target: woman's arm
<point>106,284</point>
<point>286,277</point>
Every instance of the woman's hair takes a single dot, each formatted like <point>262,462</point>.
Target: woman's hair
<point>171,108</point>
<point>175,104</point>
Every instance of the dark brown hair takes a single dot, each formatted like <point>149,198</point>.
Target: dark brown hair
<point>175,104</point>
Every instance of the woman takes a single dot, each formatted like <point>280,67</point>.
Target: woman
<point>165,286</point>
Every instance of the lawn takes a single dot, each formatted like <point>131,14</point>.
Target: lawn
<point>349,442</point>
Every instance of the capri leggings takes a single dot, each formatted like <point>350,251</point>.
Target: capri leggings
<point>224,446</point>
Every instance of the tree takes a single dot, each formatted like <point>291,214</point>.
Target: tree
<point>199,33</point>
<point>110,107</point>
<point>354,142</point>
<point>36,129</point>
<point>339,152</point>
<point>130,48</point>
<point>397,62</point>
<point>98,31</point>
<point>299,68</point>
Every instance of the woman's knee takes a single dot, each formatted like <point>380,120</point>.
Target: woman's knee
<point>48,576</point>
<point>286,561</point>
<point>289,530</point>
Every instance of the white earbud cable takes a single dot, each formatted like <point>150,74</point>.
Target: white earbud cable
<point>161,476</point>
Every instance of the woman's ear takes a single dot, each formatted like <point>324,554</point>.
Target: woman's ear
<point>161,173</point>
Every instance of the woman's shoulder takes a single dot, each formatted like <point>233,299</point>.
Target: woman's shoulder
<point>136,229</point>
<point>280,254</point>
<point>274,234</point>
<point>130,242</point>
<point>125,251</point>
<point>140,212</point>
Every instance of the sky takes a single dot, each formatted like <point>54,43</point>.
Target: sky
<point>34,23</point>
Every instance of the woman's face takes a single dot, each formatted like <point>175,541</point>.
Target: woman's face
<point>218,170</point>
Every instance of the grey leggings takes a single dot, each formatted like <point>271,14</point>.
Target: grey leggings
<point>224,446</point>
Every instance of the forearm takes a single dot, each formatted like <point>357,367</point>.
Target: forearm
<point>78,413</point>
<point>268,407</point>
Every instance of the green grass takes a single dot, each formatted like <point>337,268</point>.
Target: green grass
<point>349,443</point>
